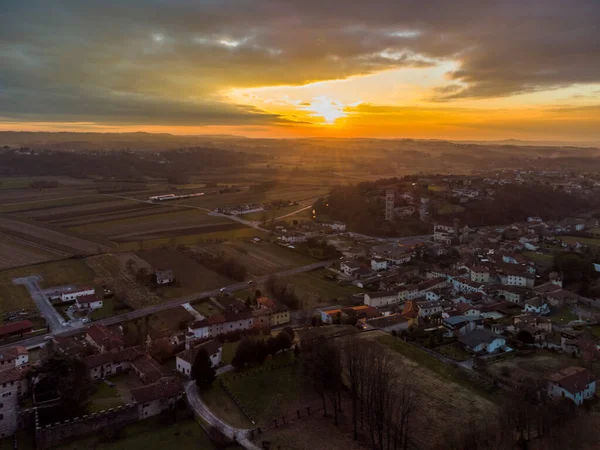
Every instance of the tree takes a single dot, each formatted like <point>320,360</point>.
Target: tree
<point>290,331</point>
<point>284,340</point>
<point>202,370</point>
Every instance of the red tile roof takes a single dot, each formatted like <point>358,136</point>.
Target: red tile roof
<point>103,337</point>
<point>16,327</point>
<point>573,379</point>
<point>162,389</point>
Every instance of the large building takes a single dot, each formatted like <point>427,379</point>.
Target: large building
<point>575,383</point>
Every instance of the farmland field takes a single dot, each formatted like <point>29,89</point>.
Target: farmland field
<point>13,298</point>
<point>147,227</point>
<point>57,273</point>
<point>54,238</point>
<point>234,233</point>
<point>25,203</point>
<point>191,276</point>
<point>260,259</point>
<point>16,253</point>
<point>582,240</point>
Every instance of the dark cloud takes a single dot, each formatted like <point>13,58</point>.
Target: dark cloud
<point>167,60</point>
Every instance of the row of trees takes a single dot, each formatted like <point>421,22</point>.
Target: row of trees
<point>222,264</point>
<point>382,402</point>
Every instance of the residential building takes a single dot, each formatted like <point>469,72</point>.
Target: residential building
<point>575,383</point>
<point>70,296</point>
<point>536,306</point>
<point>482,341</point>
<point>88,302</point>
<point>379,299</point>
<point>378,264</point>
<point>480,274</point>
<point>219,324</point>
<point>293,237</point>
<point>460,325</point>
<point>102,365</point>
<point>185,359</point>
<point>394,322</point>
<point>13,384</point>
<point>103,339</point>
<point>427,309</point>
<point>157,397</point>
<point>350,268</point>
<point>13,357</point>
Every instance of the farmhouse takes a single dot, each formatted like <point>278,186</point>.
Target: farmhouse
<point>74,295</point>
<point>460,325</point>
<point>575,383</point>
<point>350,268</point>
<point>536,306</point>
<point>106,364</point>
<point>482,340</point>
<point>185,359</point>
<point>427,309</point>
<point>88,302</point>
<point>378,264</point>
<point>157,397</point>
<point>103,339</point>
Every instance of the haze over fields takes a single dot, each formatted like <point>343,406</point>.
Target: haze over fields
<point>461,70</point>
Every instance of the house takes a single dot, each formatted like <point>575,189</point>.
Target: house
<point>13,385</point>
<point>280,315</point>
<point>157,397</point>
<point>147,369</point>
<point>379,299</point>
<point>329,314</point>
<point>88,302</point>
<point>466,285</point>
<point>482,341</point>
<point>378,264</point>
<point>408,293</point>
<point>460,325</point>
<point>185,359</point>
<point>434,283</point>
<point>561,298</point>
<point>575,383</point>
<point>536,306</point>
<point>512,294</point>
<point>293,237</point>
<point>16,328</point>
<point>466,309</point>
<point>427,309</point>
<point>219,324</point>
<point>103,339</point>
<point>13,357</point>
<point>350,268</point>
<point>480,274</point>
<point>102,365</point>
<point>444,234</point>
<point>164,277</point>
<point>74,295</point>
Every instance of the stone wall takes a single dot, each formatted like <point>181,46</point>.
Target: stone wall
<point>61,432</point>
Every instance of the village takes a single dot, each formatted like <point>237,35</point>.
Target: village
<point>497,304</point>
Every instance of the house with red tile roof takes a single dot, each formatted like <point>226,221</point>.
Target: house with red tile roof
<point>575,383</point>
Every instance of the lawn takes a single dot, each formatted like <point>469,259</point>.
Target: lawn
<point>107,310</point>
<point>270,394</point>
<point>543,259</point>
<point>206,308</point>
<point>564,316</point>
<point>152,435</point>
<point>583,240</point>
<point>57,273</point>
<point>321,291</point>
<point>13,298</point>
<point>229,349</point>
<point>104,397</point>
<point>454,351</point>
<point>224,407</point>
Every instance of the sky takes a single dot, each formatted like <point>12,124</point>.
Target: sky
<point>443,69</point>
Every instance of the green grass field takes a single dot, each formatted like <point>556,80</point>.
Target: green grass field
<point>543,259</point>
<point>313,284</point>
<point>151,435</point>
<point>107,310</point>
<point>13,298</point>
<point>224,407</point>
<point>454,351</point>
<point>267,394</point>
<point>105,397</point>
<point>192,239</point>
<point>564,316</point>
<point>229,349</point>
<point>57,273</point>
<point>582,240</point>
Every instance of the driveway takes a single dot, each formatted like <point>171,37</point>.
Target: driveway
<point>48,311</point>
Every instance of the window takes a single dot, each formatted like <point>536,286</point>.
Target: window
<point>7,394</point>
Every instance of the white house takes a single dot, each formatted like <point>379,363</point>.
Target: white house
<point>88,302</point>
<point>74,295</point>
<point>378,264</point>
<point>575,383</point>
<point>480,274</point>
<point>443,234</point>
<point>222,324</point>
<point>13,357</point>
<point>336,226</point>
<point>427,309</point>
<point>536,306</point>
<point>482,340</point>
<point>185,359</point>
<point>350,268</point>
<point>514,279</point>
<point>379,299</point>
<point>13,384</point>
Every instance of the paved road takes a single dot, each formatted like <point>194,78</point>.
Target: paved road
<point>241,435</point>
<point>59,330</point>
<point>51,315</point>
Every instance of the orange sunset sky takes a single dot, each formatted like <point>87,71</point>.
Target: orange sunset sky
<point>461,69</point>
